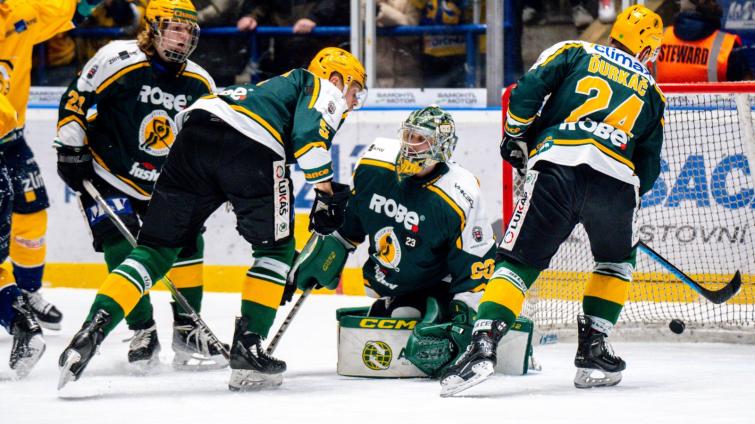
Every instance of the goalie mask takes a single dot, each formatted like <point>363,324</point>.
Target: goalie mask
<point>428,136</point>
<point>174,27</point>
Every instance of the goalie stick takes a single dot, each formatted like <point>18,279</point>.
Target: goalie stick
<point>716,296</point>
<point>299,302</point>
<point>180,299</point>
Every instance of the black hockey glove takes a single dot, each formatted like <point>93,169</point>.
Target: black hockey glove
<point>75,166</point>
<point>514,151</point>
<point>328,212</point>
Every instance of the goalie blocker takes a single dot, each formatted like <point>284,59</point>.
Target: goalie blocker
<point>377,346</point>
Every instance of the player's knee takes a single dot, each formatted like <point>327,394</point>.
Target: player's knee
<point>282,252</point>
<point>156,260</point>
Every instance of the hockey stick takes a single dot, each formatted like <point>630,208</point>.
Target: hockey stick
<point>299,302</point>
<point>180,299</point>
<point>715,296</point>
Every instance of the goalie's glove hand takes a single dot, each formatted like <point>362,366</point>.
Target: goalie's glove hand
<point>75,166</point>
<point>514,151</point>
<point>328,211</point>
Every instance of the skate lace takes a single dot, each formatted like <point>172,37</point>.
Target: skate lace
<point>605,348</point>
<point>141,339</point>
<point>196,338</point>
<point>37,302</point>
<point>257,350</point>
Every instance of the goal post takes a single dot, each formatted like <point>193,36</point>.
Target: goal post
<point>700,215</point>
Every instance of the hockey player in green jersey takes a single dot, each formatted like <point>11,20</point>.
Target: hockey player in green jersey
<point>424,220</point>
<point>236,147</point>
<point>115,128</point>
<point>590,151</point>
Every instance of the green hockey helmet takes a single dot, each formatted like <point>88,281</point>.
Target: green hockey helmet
<point>428,136</point>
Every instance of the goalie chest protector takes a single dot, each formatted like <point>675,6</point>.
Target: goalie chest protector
<point>374,346</point>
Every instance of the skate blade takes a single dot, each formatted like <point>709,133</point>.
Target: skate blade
<point>144,367</point>
<point>249,380</point>
<point>183,361</point>
<point>66,375</point>
<point>24,366</point>
<point>55,326</point>
<point>454,384</point>
<point>587,378</point>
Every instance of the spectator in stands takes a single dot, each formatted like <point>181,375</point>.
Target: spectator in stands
<point>222,57</point>
<point>397,57</point>
<point>443,55</point>
<point>111,13</point>
<point>286,53</point>
<point>696,50</point>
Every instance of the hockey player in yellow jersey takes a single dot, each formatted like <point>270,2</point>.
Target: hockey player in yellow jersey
<point>26,23</point>
<point>15,313</point>
<point>586,124</point>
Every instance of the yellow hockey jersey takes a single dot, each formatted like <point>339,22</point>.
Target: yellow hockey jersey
<point>24,23</point>
<point>8,117</point>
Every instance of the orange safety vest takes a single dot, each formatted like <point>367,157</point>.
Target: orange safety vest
<point>703,60</point>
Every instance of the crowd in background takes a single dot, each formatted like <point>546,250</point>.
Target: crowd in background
<point>407,61</point>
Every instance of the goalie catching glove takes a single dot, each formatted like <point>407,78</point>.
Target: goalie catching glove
<point>321,264</point>
<point>434,345</point>
<point>328,211</point>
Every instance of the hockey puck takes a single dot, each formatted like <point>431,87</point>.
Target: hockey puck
<point>676,326</point>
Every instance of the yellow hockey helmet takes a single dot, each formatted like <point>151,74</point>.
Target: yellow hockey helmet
<point>174,23</point>
<point>640,30</point>
<point>178,10</point>
<point>333,59</point>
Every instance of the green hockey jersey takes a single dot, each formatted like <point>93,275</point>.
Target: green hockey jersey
<point>124,111</point>
<point>603,109</point>
<point>295,115</point>
<point>422,231</point>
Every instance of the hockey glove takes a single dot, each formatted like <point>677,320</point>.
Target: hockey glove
<point>328,212</point>
<point>290,288</point>
<point>514,151</point>
<point>75,166</point>
<point>322,264</point>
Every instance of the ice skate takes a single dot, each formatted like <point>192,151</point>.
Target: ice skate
<point>251,367</point>
<point>193,349</point>
<point>478,362</point>
<point>144,349</point>
<point>28,344</point>
<point>82,348</point>
<point>47,315</point>
<point>596,364</point>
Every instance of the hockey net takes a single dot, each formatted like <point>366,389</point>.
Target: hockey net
<point>700,215</point>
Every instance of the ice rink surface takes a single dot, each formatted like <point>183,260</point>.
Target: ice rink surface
<point>663,383</point>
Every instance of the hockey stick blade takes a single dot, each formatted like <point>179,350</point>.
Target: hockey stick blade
<point>180,299</point>
<point>715,296</point>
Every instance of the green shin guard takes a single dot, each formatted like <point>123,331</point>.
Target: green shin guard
<point>268,264</point>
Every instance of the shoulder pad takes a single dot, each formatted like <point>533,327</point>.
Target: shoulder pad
<point>110,59</point>
<point>555,49</point>
<point>201,73</point>
<point>461,186</point>
<point>382,152</point>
